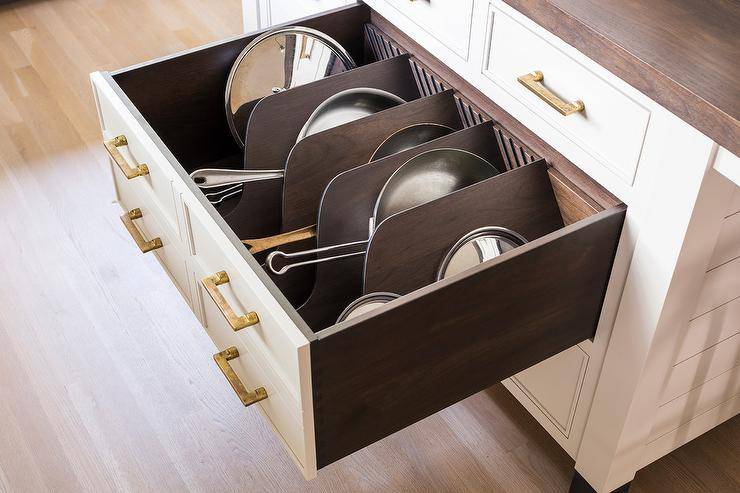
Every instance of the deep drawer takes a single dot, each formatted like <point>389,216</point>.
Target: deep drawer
<point>344,386</point>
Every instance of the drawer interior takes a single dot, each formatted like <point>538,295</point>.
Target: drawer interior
<point>439,341</point>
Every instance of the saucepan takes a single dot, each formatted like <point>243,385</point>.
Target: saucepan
<point>400,140</point>
<point>423,178</point>
<point>340,108</point>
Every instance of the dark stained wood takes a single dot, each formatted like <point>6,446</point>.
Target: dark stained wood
<point>681,53</point>
<point>182,97</point>
<point>277,120</point>
<point>573,203</point>
<point>407,248</point>
<point>345,208</point>
<point>383,371</point>
<point>317,159</point>
<point>521,133</point>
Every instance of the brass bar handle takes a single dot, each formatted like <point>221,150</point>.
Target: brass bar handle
<point>237,322</point>
<point>257,245</point>
<point>247,397</point>
<point>533,82</point>
<point>144,245</point>
<point>112,145</point>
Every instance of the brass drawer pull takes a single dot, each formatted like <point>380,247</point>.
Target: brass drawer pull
<point>112,145</point>
<point>222,360</point>
<point>145,246</point>
<point>533,82</point>
<point>236,322</point>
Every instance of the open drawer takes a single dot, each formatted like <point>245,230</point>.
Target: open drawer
<point>331,389</point>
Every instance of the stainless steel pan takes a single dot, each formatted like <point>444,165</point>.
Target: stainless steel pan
<point>340,108</point>
<point>400,140</point>
<point>476,247</point>
<point>409,137</point>
<point>423,178</point>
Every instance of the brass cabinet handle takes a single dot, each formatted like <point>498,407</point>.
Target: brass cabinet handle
<point>112,145</point>
<point>533,82</point>
<point>222,360</point>
<point>144,245</point>
<point>237,322</point>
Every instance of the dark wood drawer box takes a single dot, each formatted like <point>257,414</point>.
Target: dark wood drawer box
<point>340,387</point>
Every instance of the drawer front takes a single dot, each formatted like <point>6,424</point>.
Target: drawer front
<point>276,355</point>
<point>611,127</point>
<point>447,22</point>
<point>132,152</point>
<point>146,228</point>
<point>255,370</point>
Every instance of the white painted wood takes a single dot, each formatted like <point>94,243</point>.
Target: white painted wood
<point>439,26</point>
<point>689,430</point>
<point>734,203</point>
<point>251,15</point>
<point>721,284</point>
<point>685,407</point>
<point>447,22</point>
<point>276,344</point>
<point>700,368</point>
<point>709,329</point>
<point>281,408</point>
<point>677,234</point>
<point>728,164</point>
<point>728,244</point>
<point>553,388</point>
<point>118,121</point>
<point>611,128</point>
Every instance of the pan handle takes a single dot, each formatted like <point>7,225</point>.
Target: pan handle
<point>217,177</point>
<point>287,267</point>
<point>257,245</point>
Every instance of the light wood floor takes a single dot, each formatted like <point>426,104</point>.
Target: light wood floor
<point>106,380</point>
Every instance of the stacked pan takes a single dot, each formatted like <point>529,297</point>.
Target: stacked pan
<point>332,155</point>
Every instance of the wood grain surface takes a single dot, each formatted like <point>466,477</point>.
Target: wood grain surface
<point>315,160</point>
<point>382,371</point>
<point>407,249</point>
<point>682,54</point>
<point>106,378</point>
<point>276,123</point>
<point>346,207</point>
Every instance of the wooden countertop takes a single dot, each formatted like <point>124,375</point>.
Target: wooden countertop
<point>683,54</point>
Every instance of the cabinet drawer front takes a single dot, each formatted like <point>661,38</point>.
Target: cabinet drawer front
<point>255,370</point>
<point>150,227</point>
<point>134,152</point>
<point>414,356</point>
<point>611,126</point>
<point>447,22</point>
<point>274,340</point>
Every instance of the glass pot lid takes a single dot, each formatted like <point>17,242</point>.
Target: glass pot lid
<point>275,61</point>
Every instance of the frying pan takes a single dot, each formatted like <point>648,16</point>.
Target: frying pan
<point>343,107</point>
<point>399,141</point>
<point>423,178</point>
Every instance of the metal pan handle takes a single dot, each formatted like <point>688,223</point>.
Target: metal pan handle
<point>303,253</point>
<point>216,177</point>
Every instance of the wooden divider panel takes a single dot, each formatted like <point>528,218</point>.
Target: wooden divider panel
<point>315,160</point>
<point>407,248</point>
<point>274,126</point>
<point>348,203</point>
